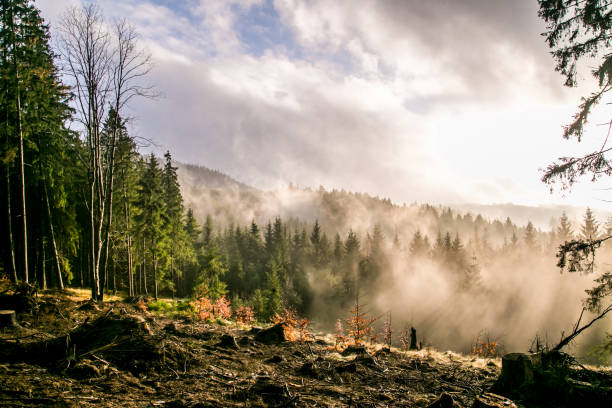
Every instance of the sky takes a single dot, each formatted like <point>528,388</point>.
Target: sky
<point>430,101</point>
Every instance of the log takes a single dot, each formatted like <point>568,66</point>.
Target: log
<point>8,318</point>
<point>490,400</point>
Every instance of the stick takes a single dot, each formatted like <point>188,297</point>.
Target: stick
<point>564,342</point>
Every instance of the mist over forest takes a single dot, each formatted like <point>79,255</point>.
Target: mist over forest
<point>451,273</point>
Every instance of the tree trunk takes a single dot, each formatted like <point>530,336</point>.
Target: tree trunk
<point>55,252</point>
<point>109,195</point>
<point>144,266</point>
<point>172,272</point>
<point>43,264</point>
<point>114,276</point>
<point>128,240</point>
<point>10,227</point>
<point>155,272</point>
<point>21,163</point>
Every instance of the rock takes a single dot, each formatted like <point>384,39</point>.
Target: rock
<point>228,341</point>
<point>271,335</point>
<point>445,401</point>
<point>517,370</point>
<point>353,349</point>
<point>490,400</point>
<point>8,318</point>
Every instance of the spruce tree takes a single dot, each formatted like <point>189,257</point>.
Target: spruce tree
<point>150,216</point>
<point>564,230</point>
<point>530,236</point>
<point>33,111</point>
<point>589,230</point>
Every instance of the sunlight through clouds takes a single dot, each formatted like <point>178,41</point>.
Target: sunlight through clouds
<point>436,100</point>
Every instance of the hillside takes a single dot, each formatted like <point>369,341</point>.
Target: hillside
<point>228,201</point>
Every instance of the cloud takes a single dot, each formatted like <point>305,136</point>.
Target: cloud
<point>405,99</point>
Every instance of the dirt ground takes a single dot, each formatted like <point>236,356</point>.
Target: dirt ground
<point>68,352</point>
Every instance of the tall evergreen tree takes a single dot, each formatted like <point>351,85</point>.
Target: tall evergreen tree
<point>173,221</point>
<point>564,230</point>
<point>589,230</point>
<point>150,216</point>
<point>33,111</point>
<point>530,236</point>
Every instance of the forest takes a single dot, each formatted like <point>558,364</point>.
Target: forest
<point>93,212</point>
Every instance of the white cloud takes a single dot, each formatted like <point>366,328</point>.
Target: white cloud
<point>441,101</point>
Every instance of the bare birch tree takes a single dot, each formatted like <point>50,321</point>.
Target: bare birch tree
<point>106,67</point>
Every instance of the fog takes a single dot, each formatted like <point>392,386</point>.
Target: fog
<point>517,291</point>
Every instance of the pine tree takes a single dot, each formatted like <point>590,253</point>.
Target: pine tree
<point>419,247</point>
<point>564,230</point>
<point>589,230</point>
<point>151,214</point>
<point>273,291</point>
<point>173,222</point>
<point>530,236</point>
<point>33,111</point>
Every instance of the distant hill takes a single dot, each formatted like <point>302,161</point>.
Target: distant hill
<point>193,175</point>
<point>231,202</point>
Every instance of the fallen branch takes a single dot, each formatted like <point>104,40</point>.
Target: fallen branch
<point>565,341</point>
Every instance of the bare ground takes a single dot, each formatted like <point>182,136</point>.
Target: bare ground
<point>72,353</point>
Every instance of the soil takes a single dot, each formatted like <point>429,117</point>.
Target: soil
<point>71,353</point>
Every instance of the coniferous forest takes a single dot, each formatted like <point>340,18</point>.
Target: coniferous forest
<point>84,207</point>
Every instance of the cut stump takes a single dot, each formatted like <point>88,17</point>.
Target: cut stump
<point>8,318</point>
<point>517,371</point>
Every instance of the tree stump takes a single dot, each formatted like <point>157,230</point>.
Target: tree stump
<point>8,318</point>
<point>413,339</point>
<point>517,370</point>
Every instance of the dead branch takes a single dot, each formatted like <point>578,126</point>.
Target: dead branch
<point>565,341</point>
